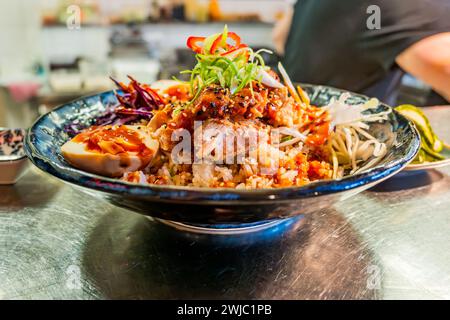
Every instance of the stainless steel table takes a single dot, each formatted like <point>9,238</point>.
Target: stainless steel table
<point>389,242</point>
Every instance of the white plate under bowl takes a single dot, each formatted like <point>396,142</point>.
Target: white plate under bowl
<point>430,165</point>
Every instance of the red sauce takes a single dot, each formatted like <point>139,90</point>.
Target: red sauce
<point>114,140</point>
<point>181,92</point>
<point>319,135</point>
<point>319,170</point>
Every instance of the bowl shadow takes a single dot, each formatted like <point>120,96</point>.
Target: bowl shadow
<point>410,186</point>
<point>128,256</point>
<point>410,180</point>
<point>27,192</point>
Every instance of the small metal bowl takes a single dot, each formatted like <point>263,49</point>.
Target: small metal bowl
<point>13,160</point>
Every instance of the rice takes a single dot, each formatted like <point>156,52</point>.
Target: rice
<point>255,154</point>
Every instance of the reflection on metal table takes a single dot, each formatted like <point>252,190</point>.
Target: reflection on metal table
<point>390,242</point>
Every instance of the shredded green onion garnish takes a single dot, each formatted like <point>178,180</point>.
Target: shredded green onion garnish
<point>234,73</point>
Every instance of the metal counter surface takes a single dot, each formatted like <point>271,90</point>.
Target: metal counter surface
<point>390,242</point>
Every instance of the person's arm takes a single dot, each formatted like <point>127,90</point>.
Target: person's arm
<point>429,61</point>
<point>281,30</point>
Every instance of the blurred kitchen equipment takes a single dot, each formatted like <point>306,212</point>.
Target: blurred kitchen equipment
<point>64,75</point>
<point>197,10</point>
<point>178,11</point>
<point>12,113</point>
<point>173,61</point>
<point>65,81</point>
<point>143,70</point>
<point>214,10</point>
<point>132,54</point>
<point>95,75</point>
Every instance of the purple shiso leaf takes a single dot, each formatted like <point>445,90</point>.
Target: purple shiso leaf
<point>124,100</point>
<point>118,84</point>
<point>120,121</point>
<point>147,99</point>
<point>129,111</point>
<point>133,106</point>
<point>146,95</point>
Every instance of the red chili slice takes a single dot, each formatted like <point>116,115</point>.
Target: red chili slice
<point>231,35</point>
<point>192,43</point>
<point>236,51</point>
<point>154,94</point>
<point>216,44</point>
<point>236,38</point>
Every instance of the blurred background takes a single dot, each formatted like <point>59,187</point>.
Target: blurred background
<point>54,51</point>
<point>46,58</point>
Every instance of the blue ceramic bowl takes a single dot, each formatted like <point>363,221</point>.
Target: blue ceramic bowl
<point>214,206</point>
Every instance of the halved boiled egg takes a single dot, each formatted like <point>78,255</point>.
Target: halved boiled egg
<point>111,150</point>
